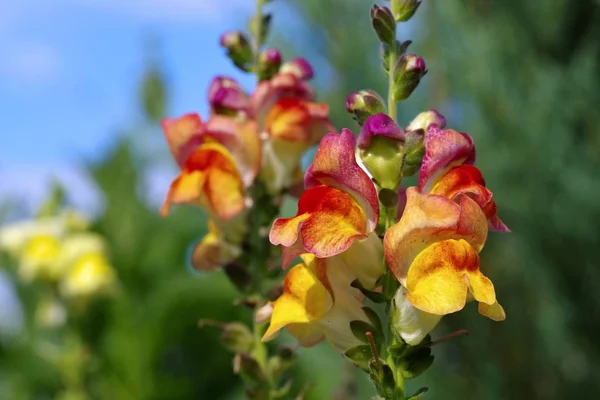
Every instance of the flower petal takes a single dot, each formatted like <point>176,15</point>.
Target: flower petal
<point>241,138</point>
<point>379,125</point>
<point>467,180</point>
<point>225,93</point>
<point>411,323</point>
<point>288,119</point>
<point>209,178</point>
<point>305,298</point>
<point>495,312</point>
<point>441,276</point>
<point>183,135</point>
<point>428,219</point>
<point>444,149</point>
<point>335,165</point>
<point>281,86</point>
<point>327,223</point>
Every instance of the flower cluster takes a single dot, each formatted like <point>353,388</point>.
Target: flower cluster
<point>59,250</point>
<point>248,138</point>
<point>432,233</point>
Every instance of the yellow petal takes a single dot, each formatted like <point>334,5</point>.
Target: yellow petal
<point>440,277</point>
<point>305,299</point>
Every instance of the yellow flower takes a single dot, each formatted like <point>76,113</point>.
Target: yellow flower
<point>91,274</point>
<point>39,257</point>
<point>318,303</point>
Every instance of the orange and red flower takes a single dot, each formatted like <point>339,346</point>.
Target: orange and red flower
<point>433,252</point>
<point>447,170</point>
<point>264,135</point>
<point>338,207</point>
<point>217,170</point>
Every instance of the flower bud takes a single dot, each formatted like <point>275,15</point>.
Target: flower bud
<point>426,118</point>
<point>380,145</point>
<point>361,105</point>
<point>403,10</point>
<point>269,63</point>
<point>383,24</point>
<point>238,48</point>
<point>226,96</point>
<point>409,70</point>
<point>410,323</point>
<point>263,314</point>
<point>237,338</point>
<point>414,150</point>
<point>252,373</point>
<point>298,67</point>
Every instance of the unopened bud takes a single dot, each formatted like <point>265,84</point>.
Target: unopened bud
<point>225,95</point>
<point>298,67</point>
<point>380,145</point>
<point>361,105</point>
<point>238,48</point>
<point>403,10</point>
<point>426,118</point>
<point>251,371</point>
<point>280,363</point>
<point>263,314</point>
<point>408,73</point>
<point>383,24</point>
<point>414,150</point>
<point>269,63</point>
<point>237,338</point>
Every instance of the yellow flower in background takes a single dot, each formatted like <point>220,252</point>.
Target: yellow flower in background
<point>39,257</point>
<point>57,249</point>
<point>91,274</point>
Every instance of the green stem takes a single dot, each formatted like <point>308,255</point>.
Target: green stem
<point>392,83</point>
<point>258,20</point>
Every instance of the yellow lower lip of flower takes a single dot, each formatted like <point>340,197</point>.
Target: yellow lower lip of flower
<point>305,299</point>
<point>442,276</point>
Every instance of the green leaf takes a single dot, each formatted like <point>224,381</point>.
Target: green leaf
<point>360,328</point>
<point>418,394</point>
<point>359,355</point>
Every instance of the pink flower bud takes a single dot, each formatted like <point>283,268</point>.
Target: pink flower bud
<point>298,67</point>
<point>361,105</point>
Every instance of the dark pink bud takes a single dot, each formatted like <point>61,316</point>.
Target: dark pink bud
<point>298,67</point>
<point>361,105</point>
<point>269,63</point>
<point>407,75</point>
<point>225,95</point>
<point>379,125</point>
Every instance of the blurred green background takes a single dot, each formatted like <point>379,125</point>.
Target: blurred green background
<point>523,78</point>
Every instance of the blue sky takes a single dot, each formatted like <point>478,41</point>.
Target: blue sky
<point>70,73</point>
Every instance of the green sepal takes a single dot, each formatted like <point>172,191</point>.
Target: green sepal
<point>382,377</point>
<point>400,48</point>
<point>417,363</point>
<point>359,355</point>
<point>237,338</point>
<point>418,394</point>
<point>360,328</point>
<point>265,27</point>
